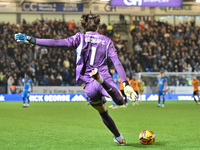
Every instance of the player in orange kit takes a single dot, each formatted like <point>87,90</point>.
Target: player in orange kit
<point>121,88</point>
<point>195,83</point>
<point>135,85</point>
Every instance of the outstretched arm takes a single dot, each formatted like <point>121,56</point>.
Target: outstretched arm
<point>72,41</point>
<point>51,42</point>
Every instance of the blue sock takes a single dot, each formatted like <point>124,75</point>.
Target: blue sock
<point>24,100</point>
<point>159,100</point>
<point>113,103</point>
<point>28,101</point>
<point>163,100</point>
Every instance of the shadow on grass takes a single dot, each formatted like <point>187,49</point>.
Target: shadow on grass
<point>156,144</point>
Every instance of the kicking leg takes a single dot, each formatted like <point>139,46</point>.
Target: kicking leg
<point>108,121</point>
<point>112,91</point>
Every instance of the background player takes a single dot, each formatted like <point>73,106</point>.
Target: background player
<point>195,83</point>
<point>121,88</point>
<point>92,51</point>
<point>115,77</point>
<point>141,88</point>
<point>161,88</point>
<point>28,87</point>
<point>135,85</point>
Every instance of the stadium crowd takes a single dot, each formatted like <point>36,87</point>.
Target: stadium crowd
<point>167,47</point>
<point>161,46</point>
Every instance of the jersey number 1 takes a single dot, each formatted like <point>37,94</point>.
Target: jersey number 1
<point>94,49</point>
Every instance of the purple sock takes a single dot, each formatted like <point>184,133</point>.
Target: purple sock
<point>109,123</point>
<point>114,93</point>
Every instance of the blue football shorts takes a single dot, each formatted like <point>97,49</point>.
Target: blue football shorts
<point>25,94</point>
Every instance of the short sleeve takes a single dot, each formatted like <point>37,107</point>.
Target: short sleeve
<point>31,81</point>
<point>115,76</point>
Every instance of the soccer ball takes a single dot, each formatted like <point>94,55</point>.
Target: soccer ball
<point>147,137</point>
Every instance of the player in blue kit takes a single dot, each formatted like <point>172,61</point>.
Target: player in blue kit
<point>28,87</point>
<point>161,88</point>
<point>115,77</point>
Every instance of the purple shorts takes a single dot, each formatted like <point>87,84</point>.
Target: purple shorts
<point>96,93</point>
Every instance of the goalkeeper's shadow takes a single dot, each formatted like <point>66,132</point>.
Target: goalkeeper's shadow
<point>156,144</point>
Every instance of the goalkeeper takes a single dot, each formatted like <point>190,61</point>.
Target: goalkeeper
<point>92,51</point>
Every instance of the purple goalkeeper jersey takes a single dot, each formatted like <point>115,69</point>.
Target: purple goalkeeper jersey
<point>92,51</point>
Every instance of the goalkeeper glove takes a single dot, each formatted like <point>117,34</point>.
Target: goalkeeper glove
<point>23,38</point>
<point>128,90</point>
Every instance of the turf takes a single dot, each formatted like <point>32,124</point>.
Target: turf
<point>76,126</point>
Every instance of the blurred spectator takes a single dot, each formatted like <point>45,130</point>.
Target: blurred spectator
<point>66,77</point>
<point>59,79</point>
<point>1,77</point>
<point>117,36</point>
<point>10,81</point>
<point>66,63</point>
<point>121,17</point>
<point>46,80</point>
<point>52,80</point>
<point>13,89</point>
<point>35,82</point>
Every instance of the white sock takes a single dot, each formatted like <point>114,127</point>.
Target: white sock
<point>27,104</point>
<point>100,80</point>
<point>120,138</point>
<point>24,104</point>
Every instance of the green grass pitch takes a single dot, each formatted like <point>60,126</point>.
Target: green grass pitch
<point>76,126</point>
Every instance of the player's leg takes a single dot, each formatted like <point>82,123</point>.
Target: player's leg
<point>194,96</point>
<point>198,96</point>
<point>136,101</point>
<point>163,104</point>
<point>108,121</point>
<point>140,95</point>
<point>159,94</point>
<point>137,97</point>
<point>110,87</point>
<point>125,97</point>
<point>28,100</point>
<point>95,93</point>
<point>113,105</point>
<point>24,99</point>
<point>141,92</point>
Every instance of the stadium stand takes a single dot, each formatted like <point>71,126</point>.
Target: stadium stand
<point>156,47</point>
<point>167,47</point>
